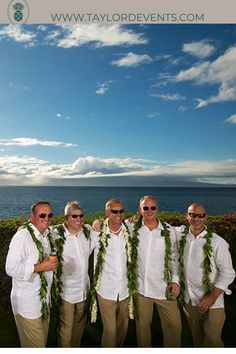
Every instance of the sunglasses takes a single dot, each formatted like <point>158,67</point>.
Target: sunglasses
<point>195,215</point>
<point>145,208</point>
<point>115,211</point>
<point>44,215</point>
<point>75,216</point>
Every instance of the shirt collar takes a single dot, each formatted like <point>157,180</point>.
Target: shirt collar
<point>201,235</point>
<point>38,233</point>
<point>69,234</point>
<point>159,226</point>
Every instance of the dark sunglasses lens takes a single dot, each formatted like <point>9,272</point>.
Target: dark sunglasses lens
<point>145,208</point>
<point>43,215</point>
<point>114,211</point>
<point>75,216</point>
<point>195,215</point>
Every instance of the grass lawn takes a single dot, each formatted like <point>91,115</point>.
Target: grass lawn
<point>92,334</point>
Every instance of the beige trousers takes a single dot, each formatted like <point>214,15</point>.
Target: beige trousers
<point>206,331</point>
<point>73,320</point>
<point>115,319</point>
<point>33,333</point>
<point>170,321</point>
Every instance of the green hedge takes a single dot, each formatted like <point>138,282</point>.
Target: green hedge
<point>225,226</point>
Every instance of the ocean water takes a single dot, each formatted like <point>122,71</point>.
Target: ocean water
<point>16,201</point>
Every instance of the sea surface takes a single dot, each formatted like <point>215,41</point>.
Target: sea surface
<point>16,201</point>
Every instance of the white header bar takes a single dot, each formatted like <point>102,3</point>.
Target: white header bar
<point>118,11</point>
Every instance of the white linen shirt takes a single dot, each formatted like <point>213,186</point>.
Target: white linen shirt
<point>21,258</point>
<point>114,284</point>
<point>150,261</point>
<point>75,278</point>
<point>222,273</point>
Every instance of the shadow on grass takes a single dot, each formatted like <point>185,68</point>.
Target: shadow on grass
<point>92,334</point>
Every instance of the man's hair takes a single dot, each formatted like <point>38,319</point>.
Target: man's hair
<point>112,201</point>
<point>72,205</point>
<point>42,202</point>
<point>148,197</point>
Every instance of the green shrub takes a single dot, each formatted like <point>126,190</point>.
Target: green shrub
<point>225,226</point>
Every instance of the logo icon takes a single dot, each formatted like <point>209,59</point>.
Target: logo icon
<point>18,11</point>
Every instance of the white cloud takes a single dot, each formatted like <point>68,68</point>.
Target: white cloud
<point>132,60</point>
<point>59,115</point>
<point>201,49</point>
<point>221,71</point>
<point>18,87</point>
<point>25,169</point>
<point>102,35</point>
<point>169,97</point>
<point>182,109</point>
<point>18,34</point>
<point>153,115</point>
<point>42,28</point>
<point>103,87</point>
<point>25,142</point>
<point>231,119</point>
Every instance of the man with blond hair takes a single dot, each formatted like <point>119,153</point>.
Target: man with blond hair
<point>157,275</point>
<point>112,257</point>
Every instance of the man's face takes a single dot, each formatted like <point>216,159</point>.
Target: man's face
<point>149,209</point>
<point>75,220</point>
<point>115,213</point>
<point>41,217</point>
<point>196,217</point>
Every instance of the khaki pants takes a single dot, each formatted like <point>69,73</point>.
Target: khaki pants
<point>73,319</point>
<point>115,319</point>
<point>206,331</point>
<point>33,333</point>
<point>170,321</point>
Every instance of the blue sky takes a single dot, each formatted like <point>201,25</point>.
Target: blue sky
<point>118,105</point>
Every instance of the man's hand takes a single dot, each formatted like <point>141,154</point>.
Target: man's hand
<point>97,225</point>
<point>134,218</point>
<point>47,265</point>
<point>174,288</point>
<point>208,300</point>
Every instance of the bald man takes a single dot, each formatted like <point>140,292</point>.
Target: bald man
<point>205,274</point>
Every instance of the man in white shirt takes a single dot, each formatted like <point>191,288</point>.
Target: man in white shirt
<point>74,252</point>
<point>157,276</point>
<point>29,265</point>
<point>205,273</point>
<point>112,254</point>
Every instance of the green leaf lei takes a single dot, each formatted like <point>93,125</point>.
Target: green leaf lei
<point>168,271</point>
<point>44,284</point>
<point>131,269</point>
<point>207,252</point>
<point>57,286</point>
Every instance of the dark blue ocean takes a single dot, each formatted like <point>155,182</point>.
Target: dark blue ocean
<point>16,201</point>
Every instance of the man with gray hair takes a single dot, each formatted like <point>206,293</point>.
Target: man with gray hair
<point>74,247</point>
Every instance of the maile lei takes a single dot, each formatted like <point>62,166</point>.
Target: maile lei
<point>57,285</point>
<point>168,271</point>
<point>58,246</point>
<point>131,269</point>
<point>43,279</point>
<point>207,253</point>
